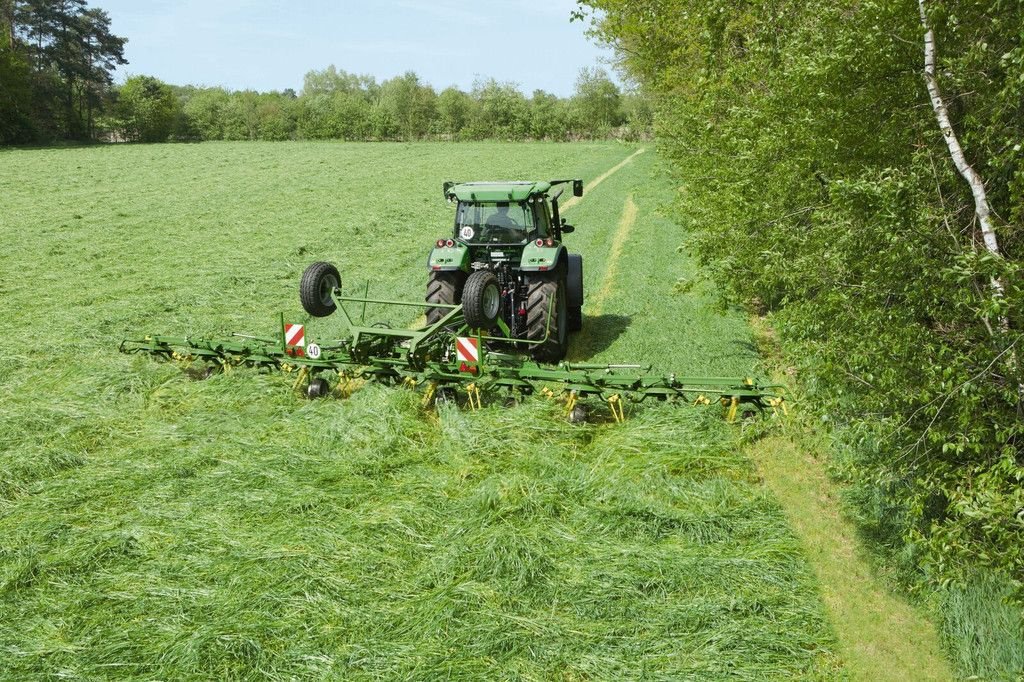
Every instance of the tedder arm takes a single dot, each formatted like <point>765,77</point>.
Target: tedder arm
<point>447,354</point>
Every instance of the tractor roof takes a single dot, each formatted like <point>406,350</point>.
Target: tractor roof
<point>498,191</point>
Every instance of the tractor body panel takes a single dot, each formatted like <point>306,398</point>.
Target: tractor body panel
<point>449,258</point>
<point>541,258</point>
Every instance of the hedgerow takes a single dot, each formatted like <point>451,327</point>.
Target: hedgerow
<point>817,186</point>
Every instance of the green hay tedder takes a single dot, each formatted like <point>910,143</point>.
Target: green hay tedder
<point>502,296</point>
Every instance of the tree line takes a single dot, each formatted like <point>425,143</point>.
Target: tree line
<point>854,171</point>
<point>58,57</point>
<point>334,104</point>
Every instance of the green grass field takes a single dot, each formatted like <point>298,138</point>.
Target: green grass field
<point>157,527</point>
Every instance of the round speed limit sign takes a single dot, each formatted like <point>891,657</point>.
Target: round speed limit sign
<point>313,351</point>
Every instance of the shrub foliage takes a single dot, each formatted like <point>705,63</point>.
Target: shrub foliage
<point>817,186</point>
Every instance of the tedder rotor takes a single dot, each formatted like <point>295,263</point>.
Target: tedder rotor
<point>501,296</point>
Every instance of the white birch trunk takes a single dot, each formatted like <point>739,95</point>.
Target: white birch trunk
<point>981,205</point>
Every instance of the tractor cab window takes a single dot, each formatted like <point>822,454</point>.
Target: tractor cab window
<point>543,220</point>
<point>504,222</point>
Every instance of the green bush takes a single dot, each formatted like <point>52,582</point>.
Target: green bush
<point>146,109</point>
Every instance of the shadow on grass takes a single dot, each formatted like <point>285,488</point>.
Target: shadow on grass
<point>84,144</point>
<point>599,332</point>
<point>63,144</point>
<point>740,350</point>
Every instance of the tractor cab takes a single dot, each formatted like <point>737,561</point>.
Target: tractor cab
<point>508,212</point>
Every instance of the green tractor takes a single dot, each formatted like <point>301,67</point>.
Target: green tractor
<point>506,265</point>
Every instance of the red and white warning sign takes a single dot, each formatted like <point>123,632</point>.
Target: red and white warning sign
<point>295,339</point>
<point>295,335</point>
<point>467,352</point>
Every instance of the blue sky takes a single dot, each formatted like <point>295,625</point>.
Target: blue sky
<point>268,45</point>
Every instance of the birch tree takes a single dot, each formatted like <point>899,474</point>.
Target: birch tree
<point>982,209</point>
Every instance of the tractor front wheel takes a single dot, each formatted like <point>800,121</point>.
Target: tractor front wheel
<point>481,300</point>
<point>446,288</point>
<point>316,291</point>
<point>547,317</point>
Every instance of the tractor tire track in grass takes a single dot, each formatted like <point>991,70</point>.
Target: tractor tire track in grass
<point>572,201</point>
<point>595,305</point>
<point>626,223</point>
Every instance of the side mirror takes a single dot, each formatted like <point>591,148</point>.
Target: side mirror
<point>577,188</point>
<point>447,186</point>
<point>568,229</point>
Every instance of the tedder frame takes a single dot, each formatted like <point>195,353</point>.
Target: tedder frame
<point>447,355</point>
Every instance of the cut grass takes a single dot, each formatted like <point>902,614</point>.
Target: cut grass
<point>154,526</point>
<point>384,544</point>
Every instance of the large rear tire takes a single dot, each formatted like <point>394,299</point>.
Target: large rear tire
<point>574,291</point>
<point>481,300</point>
<point>316,290</point>
<point>544,295</point>
<point>446,288</point>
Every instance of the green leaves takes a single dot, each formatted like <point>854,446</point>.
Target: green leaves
<point>818,188</point>
<point>146,109</point>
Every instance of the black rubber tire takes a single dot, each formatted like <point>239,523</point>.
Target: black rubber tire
<point>574,291</point>
<point>574,319</point>
<point>318,388</point>
<point>540,294</point>
<point>444,287</point>
<point>317,286</point>
<point>481,300</point>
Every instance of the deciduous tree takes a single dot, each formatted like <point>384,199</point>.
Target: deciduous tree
<point>146,109</point>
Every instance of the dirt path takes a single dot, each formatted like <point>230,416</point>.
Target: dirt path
<point>881,636</point>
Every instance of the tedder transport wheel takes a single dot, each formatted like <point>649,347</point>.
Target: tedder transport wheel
<point>481,299</point>
<point>574,291</point>
<point>444,287</point>
<point>316,290</point>
<point>544,294</point>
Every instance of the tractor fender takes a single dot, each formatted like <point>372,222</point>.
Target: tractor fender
<point>448,258</point>
<point>543,258</point>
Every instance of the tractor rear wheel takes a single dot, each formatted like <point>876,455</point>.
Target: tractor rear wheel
<point>574,291</point>
<point>481,300</point>
<point>316,291</point>
<point>547,295</point>
<point>446,288</point>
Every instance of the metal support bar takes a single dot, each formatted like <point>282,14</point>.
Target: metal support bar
<point>426,356</point>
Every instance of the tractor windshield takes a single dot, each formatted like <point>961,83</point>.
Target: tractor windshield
<point>503,222</point>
